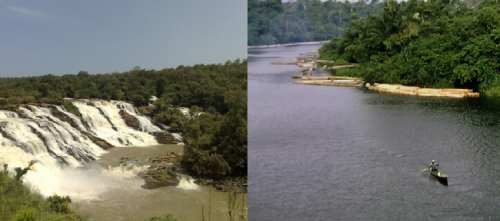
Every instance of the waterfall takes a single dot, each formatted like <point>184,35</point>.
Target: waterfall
<point>145,123</point>
<point>104,121</point>
<point>58,139</point>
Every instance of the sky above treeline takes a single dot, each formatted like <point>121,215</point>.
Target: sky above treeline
<point>64,37</point>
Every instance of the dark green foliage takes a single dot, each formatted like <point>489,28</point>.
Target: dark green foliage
<point>167,114</point>
<point>216,145</point>
<point>202,153</point>
<point>70,107</point>
<point>59,204</point>
<point>435,43</point>
<point>232,136</point>
<point>273,22</point>
<point>163,218</point>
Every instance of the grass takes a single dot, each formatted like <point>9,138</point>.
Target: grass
<point>237,209</point>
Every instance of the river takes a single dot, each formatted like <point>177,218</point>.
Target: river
<point>338,153</point>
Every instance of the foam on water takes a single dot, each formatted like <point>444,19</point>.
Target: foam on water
<point>187,183</point>
<point>83,183</point>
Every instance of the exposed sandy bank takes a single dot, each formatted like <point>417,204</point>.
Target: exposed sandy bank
<point>423,92</point>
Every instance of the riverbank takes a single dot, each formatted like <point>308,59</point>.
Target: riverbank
<point>422,92</point>
<point>345,81</point>
<point>310,65</point>
<point>287,44</point>
<point>341,81</point>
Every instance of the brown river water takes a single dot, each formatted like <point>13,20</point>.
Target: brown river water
<point>125,200</point>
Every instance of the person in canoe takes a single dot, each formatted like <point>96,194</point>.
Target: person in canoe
<point>434,166</point>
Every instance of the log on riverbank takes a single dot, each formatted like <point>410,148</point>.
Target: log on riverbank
<point>341,81</point>
<point>286,44</point>
<point>423,92</point>
<point>284,62</point>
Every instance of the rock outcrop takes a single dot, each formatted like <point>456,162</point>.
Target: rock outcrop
<point>130,120</point>
<point>165,138</point>
<point>163,171</point>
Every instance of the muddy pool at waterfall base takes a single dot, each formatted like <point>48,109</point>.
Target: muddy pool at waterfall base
<point>125,200</point>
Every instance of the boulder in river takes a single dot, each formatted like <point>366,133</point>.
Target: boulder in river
<point>163,171</point>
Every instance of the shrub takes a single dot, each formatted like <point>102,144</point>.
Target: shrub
<point>163,218</point>
<point>59,204</point>
<point>70,107</point>
<point>341,61</point>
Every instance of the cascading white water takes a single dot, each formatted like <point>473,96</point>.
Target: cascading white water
<point>144,122</point>
<point>61,138</point>
<point>104,121</point>
<point>62,144</point>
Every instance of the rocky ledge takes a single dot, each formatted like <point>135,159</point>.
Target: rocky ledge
<point>163,171</point>
<point>130,120</point>
<point>165,137</point>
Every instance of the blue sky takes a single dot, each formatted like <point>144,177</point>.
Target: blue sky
<point>59,36</point>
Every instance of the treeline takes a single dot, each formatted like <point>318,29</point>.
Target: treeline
<point>434,43</point>
<point>200,85</point>
<point>216,142</point>
<point>273,22</point>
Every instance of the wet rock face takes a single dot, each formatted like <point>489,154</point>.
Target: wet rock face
<point>163,171</point>
<point>60,115</point>
<point>165,138</point>
<point>100,142</point>
<point>130,120</point>
<point>160,178</point>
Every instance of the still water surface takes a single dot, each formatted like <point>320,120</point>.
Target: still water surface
<point>337,153</point>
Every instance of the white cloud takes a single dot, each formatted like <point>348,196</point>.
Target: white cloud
<point>25,11</point>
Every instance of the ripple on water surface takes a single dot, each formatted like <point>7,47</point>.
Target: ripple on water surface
<point>323,153</point>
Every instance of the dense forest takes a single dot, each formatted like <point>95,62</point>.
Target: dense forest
<point>434,43</point>
<point>273,22</point>
<point>216,141</point>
